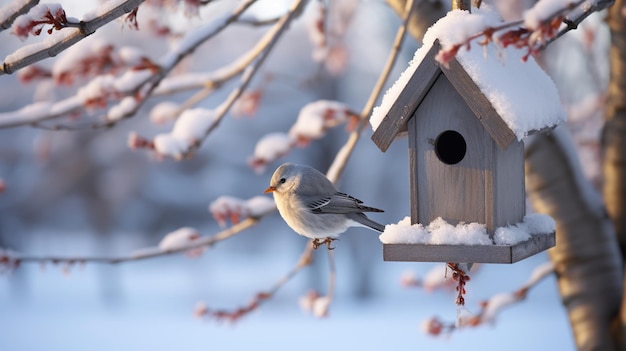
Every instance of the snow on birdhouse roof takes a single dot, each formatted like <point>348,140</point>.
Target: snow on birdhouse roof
<point>523,95</point>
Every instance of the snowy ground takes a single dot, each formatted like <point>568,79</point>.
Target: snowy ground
<point>149,306</point>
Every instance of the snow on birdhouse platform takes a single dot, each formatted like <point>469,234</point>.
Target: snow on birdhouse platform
<point>442,242</point>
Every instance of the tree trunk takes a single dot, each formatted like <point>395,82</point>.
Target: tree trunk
<point>614,145</point>
<point>586,256</point>
<point>426,13</point>
<point>613,141</point>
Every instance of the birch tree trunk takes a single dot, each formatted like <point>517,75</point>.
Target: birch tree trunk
<point>614,145</point>
<point>586,256</point>
<point>425,14</point>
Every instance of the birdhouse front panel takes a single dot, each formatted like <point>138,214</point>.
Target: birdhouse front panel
<point>458,172</point>
<point>509,191</point>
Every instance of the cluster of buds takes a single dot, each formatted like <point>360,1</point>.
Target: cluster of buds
<point>461,278</point>
<point>202,311</point>
<point>38,17</point>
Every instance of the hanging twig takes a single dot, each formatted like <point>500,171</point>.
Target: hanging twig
<point>332,275</point>
<point>489,309</point>
<point>234,315</point>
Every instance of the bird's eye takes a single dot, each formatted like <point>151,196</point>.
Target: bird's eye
<point>282,180</point>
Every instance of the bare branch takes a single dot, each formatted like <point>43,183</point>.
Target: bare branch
<point>258,22</point>
<point>265,44</point>
<point>332,276</point>
<point>341,159</point>
<point>14,258</point>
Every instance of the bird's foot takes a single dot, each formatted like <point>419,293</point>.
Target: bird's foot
<point>317,243</point>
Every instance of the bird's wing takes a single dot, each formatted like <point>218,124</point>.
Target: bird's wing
<point>337,203</point>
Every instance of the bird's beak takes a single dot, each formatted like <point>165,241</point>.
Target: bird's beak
<point>270,189</point>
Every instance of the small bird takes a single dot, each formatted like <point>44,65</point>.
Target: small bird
<point>312,206</point>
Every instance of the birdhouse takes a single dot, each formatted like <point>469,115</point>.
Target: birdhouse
<point>466,122</point>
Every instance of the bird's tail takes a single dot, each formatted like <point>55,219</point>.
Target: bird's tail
<point>363,220</point>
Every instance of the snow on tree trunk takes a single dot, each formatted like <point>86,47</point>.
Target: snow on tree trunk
<point>586,257</point>
<point>614,144</point>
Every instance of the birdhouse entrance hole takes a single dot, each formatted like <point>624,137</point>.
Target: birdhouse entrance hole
<point>450,147</point>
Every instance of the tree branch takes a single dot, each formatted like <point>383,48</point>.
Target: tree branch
<point>235,315</point>
<point>577,16</point>
<point>341,159</point>
<point>14,259</point>
<point>490,308</point>
<point>63,39</point>
<point>14,11</point>
<point>262,49</point>
<point>143,87</point>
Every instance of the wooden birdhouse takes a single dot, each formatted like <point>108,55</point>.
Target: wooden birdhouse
<point>466,153</point>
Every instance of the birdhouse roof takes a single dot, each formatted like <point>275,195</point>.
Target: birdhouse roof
<point>511,98</point>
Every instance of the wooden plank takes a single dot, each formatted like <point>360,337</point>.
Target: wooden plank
<point>465,253</point>
<point>490,154</point>
<point>408,100</point>
<point>455,192</point>
<point>509,205</point>
<point>479,104</point>
<point>536,244</point>
<point>414,170</point>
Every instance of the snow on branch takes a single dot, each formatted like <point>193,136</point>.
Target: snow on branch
<point>181,240</point>
<point>541,24</point>
<point>65,37</point>
<point>269,148</point>
<point>313,121</point>
<point>316,118</point>
<point>12,10</point>
<point>140,89</point>
<point>327,31</point>
<point>177,150</point>
<point>188,131</point>
<point>98,57</point>
<point>38,17</point>
<point>235,209</point>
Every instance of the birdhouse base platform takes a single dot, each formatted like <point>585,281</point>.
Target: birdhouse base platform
<point>469,253</point>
